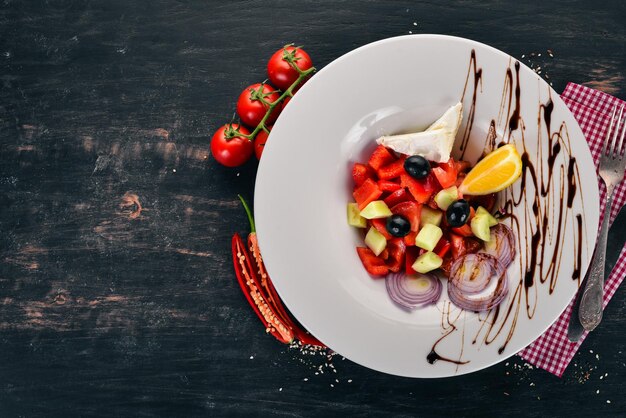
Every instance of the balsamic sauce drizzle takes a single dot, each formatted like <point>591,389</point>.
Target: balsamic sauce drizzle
<point>542,225</point>
<point>478,78</point>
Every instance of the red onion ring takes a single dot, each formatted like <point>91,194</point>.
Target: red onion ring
<point>414,291</point>
<point>477,282</point>
<point>501,244</point>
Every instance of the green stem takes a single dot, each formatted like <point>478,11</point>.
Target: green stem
<point>249,213</point>
<point>287,93</point>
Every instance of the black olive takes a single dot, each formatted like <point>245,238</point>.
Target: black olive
<point>458,213</point>
<point>417,166</point>
<point>398,226</point>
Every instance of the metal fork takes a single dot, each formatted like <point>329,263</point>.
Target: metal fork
<point>611,170</point>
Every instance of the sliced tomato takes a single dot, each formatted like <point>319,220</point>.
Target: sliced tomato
<point>388,186</point>
<point>366,193</point>
<point>375,266</point>
<point>446,173</point>
<point>412,253</point>
<point>464,231</point>
<point>397,251</point>
<point>381,226</point>
<point>472,214</point>
<point>392,171</point>
<point>384,255</point>
<point>411,211</point>
<point>442,247</point>
<point>396,197</point>
<point>380,158</point>
<point>360,173</point>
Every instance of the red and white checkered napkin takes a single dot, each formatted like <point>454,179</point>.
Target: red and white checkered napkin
<point>592,109</point>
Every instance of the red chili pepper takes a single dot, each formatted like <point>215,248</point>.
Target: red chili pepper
<point>251,289</point>
<point>267,287</point>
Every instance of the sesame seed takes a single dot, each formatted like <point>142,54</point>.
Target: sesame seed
<point>597,391</point>
<point>280,390</point>
<point>607,401</point>
<point>349,380</point>
<point>251,357</point>
<point>306,379</point>
<point>332,386</point>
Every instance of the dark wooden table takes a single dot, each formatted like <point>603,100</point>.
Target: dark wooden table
<point>117,292</point>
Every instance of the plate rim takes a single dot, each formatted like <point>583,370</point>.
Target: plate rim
<point>576,127</point>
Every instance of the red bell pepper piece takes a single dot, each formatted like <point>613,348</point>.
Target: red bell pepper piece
<point>397,251</point>
<point>411,211</point>
<point>462,166</point>
<point>409,239</point>
<point>360,173</point>
<point>446,173</point>
<point>464,231</point>
<point>463,245</point>
<point>442,247</point>
<point>392,171</point>
<point>381,226</point>
<point>388,186</point>
<point>412,253</point>
<point>366,193</point>
<point>380,157</point>
<point>396,197</point>
<point>420,190</point>
<point>446,264</point>
<point>374,265</point>
<point>251,288</point>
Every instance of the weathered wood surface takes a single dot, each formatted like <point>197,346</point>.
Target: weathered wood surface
<point>117,296</point>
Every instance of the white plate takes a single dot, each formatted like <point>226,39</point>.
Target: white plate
<point>304,183</point>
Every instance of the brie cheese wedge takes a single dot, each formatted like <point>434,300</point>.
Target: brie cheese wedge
<point>435,143</point>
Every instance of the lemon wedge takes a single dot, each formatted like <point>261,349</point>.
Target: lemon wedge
<point>497,171</point>
<point>435,143</point>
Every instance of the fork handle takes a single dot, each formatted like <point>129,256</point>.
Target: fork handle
<point>590,313</point>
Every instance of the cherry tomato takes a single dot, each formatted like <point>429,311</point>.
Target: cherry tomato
<point>281,73</point>
<point>231,151</point>
<point>250,107</point>
<point>259,143</point>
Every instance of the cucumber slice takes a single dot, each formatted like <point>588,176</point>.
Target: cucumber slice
<point>427,262</point>
<point>375,241</point>
<point>430,216</point>
<point>428,237</point>
<point>482,211</point>
<point>480,227</point>
<point>354,216</point>
<point>446,197</point>
<point>375,210</point>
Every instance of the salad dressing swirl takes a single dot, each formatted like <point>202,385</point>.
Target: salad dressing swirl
<point>544,201</point>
